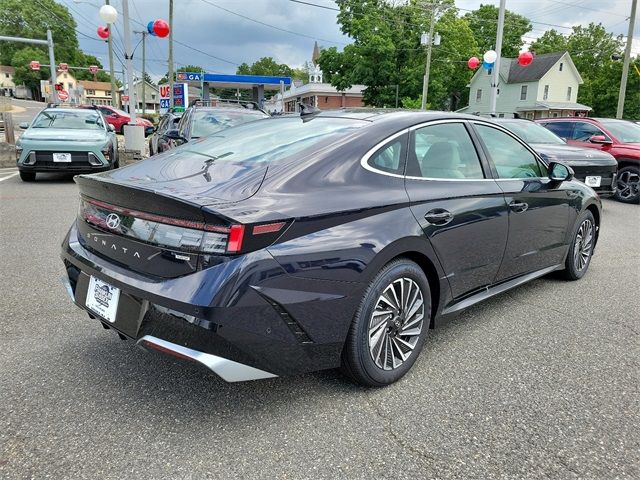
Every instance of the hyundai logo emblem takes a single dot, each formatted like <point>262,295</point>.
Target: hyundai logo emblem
<point>113,221</point>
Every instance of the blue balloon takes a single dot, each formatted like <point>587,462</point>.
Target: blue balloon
<point>150,28</point>
<point>487,65</point>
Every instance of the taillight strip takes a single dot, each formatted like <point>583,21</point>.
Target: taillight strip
<point>158,218</point>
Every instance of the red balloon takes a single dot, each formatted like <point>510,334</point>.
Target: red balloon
<point>103,32</point>
<point>525,58</point>
<point>473,63</point>
<point>161,28</point>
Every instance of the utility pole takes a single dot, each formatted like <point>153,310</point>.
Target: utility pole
<point>627,58</point>
<point>425,81</point>
<point>495,78</point>
<point>114,98</point>
<point>171,53</point>
<point>128,55</point>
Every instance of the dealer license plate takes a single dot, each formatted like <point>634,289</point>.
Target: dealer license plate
<point>593,181</point>
<point>61,157</point>
<point>102,299</point>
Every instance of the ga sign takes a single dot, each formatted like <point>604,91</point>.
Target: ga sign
<point>165,98</point>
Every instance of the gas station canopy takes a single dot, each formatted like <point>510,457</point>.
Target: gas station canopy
<point>216,80</point>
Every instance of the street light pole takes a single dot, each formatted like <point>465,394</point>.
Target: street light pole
<point>425,80</point>
<point>170,53</point>
<point>495,78</point>
<point>54,68</point>
<point>627,58</point>
<point>144,97</point>
<point>114,98</point>
<point>128,55</point>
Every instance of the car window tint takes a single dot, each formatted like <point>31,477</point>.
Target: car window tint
<point>583,131</point>
<point>561,129</point>
<point>444,151</point>
<point>389,158</point>
<point>511,158</point>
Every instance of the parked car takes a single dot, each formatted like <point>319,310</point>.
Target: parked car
<point>120,118</point>
<point>66,140</point>
<point>200,120</point>
<point>295,244</point>
<point>620,138</point>
<point>596,169</point>
<point>157,141</point>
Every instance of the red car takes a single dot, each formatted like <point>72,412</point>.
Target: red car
<point>119,118</point>
<point>620,138</point>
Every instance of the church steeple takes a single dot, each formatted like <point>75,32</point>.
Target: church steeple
<point>316,53</point>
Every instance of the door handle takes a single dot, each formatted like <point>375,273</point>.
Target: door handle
<point>438,216</point>
<point>518,207</point>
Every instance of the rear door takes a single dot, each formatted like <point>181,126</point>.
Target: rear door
<point>538,206</point>
<point>459,206</point>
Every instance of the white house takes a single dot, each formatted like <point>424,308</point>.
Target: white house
<point>548,87</point>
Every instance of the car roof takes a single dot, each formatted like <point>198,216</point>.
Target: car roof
<point>61,109</point>
<point>401,117</point>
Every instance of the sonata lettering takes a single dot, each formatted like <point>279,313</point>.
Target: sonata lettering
<point>112,245</point>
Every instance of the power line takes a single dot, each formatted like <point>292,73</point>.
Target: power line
<point>271,26</point>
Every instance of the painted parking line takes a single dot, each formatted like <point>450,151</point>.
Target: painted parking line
<point>11,175</point>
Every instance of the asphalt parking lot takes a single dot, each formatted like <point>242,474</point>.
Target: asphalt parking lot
<point>541,382</point>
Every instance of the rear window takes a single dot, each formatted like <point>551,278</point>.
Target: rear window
<point>70,119</point>
<point>206,122</point>
<point>272,139</point>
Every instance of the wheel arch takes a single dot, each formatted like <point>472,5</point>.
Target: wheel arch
<point>420,252</point>
<point>628,162</point>
<point>595,211</point>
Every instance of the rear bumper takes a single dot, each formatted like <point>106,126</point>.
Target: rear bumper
<point>226,317</point>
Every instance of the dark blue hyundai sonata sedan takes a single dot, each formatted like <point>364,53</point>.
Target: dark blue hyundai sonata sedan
<point>336,239</point>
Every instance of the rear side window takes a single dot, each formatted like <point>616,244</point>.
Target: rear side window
<point>511,158</point>
<point>390,158</point>
<point>561,129</point>
<point>444,151</point>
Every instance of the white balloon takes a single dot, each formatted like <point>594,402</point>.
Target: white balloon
<point>490,56</point>
<point>108,14</point>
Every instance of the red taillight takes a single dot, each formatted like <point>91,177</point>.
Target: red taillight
<point>236,234</point>
<point>268,228</point>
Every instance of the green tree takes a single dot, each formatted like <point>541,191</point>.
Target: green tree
<point>23,73</point>
<point>484,24</point>
<point>266,66</point>
<point>591,48</point>
<point>386,52</point>
<point>31,20</point>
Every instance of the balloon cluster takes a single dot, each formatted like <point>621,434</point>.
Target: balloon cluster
<point>157,28</point>
<point>490,56</point>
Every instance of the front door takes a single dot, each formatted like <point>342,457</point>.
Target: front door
<point>538,206</point>
<point>460,208</point>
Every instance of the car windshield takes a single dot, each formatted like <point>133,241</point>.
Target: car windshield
<point>272,140</point>
<point>206,122</point>
<point>627,132</point>
<point>72,119</point>
<point>531,132</point>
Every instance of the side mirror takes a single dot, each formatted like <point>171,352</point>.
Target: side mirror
<point>111,128</point>
<point>115,115</point>
<point>559,172</point>
<point>174,135</point>
<point>600,139</point>
<point>24,125</point>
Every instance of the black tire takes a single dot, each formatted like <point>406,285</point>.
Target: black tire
<point>358,360</point>
<point>628,185</point>
<point>27,176</point>
<point>574,267</point>
<point>150,148</point>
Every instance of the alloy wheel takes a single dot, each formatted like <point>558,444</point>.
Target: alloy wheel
<point>628,183</point>
<point>583,245</point>
<point>396,323</point>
